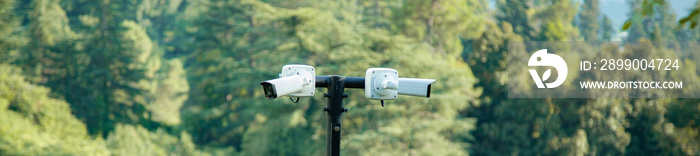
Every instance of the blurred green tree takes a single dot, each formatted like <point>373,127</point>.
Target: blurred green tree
<point>35,124</point>
<point>136,140</point>
<point>518,14</point>
<point>11,39</point>
<point>588,20</point>
<point>606,30</point>
<point>556,20</point>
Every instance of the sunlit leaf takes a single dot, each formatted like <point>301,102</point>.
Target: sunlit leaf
<point>627,25</point>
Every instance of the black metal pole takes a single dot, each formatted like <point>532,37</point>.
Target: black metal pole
<point>336,87</point>
<point>335,95</point>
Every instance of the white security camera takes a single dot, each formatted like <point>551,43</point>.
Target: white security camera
<point>381,83</point>
<point>385,84</point>
<point>294,81</point>
<point>415,87</point>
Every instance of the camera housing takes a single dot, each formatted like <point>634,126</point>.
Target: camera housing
<point>294,81</point>
<point>381,83</point>
<point>415,87</point>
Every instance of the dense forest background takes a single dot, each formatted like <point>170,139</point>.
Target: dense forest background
<point>181,77</point>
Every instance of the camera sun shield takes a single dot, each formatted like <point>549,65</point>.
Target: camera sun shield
<point>415,87</point>
<point>381,83</point>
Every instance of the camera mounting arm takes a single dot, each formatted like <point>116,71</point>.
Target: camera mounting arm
<point>350,82</point>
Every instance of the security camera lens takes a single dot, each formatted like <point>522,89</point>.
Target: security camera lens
<point>269,90</point>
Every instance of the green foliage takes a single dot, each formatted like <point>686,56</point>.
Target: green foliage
<point>136,140</point>
<point>169,92</point>
<point>658,26</point>
<point>649,8</point>
<point>441,23</point>
<point>50,35</point>
<point>10,40</point>
<point>517,13</point>
<point>72,55</point>
<point>35,124</point>
<point>121,79</point>
<point>683,116</point>
<point>556,21</point>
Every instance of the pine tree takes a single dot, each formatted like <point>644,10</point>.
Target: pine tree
<point>588,16</point>
<point>10,41</point>
<point>515,12</point>
<point>169,92</point>
<point>606,30</point>
<point>50,52</point>
<point>665,24</point>
<point>556,19</point>
<point>441,23</point>
<point>117,87</point>
<point>636,30</point>
<point>107,71</point>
